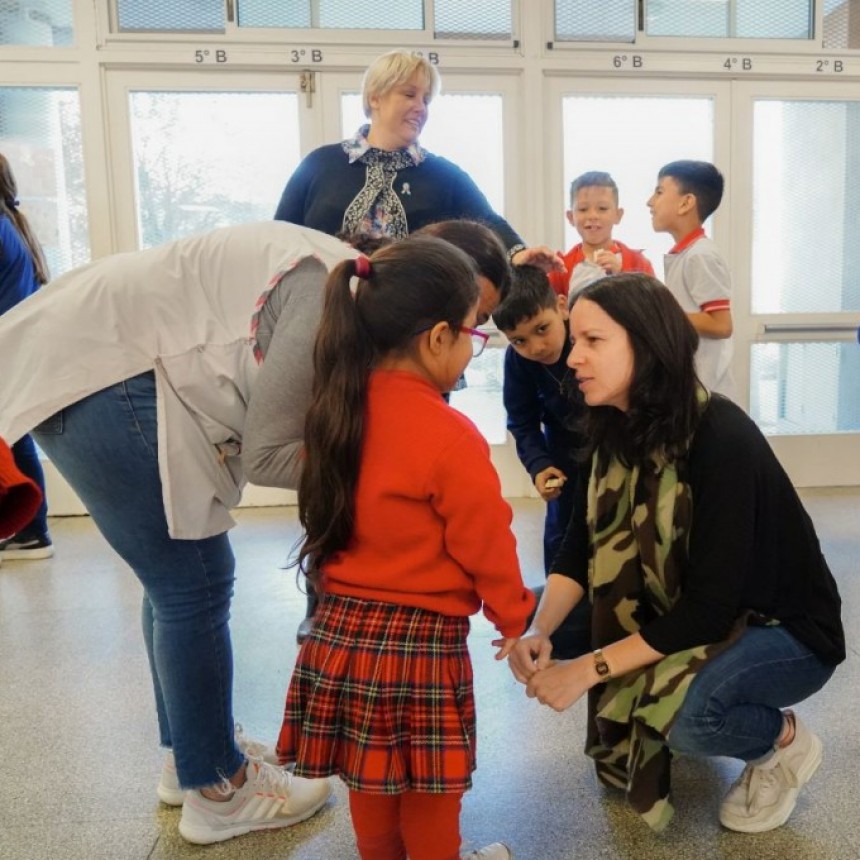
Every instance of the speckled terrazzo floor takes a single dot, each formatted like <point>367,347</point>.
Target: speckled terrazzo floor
<point>78,744</point>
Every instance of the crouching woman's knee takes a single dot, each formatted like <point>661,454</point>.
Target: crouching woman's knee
<point>694,732</point>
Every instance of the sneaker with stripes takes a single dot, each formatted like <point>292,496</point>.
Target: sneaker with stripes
<point>168,788</point>
<point>270,798</point>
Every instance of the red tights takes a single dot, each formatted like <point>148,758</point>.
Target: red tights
<point>390,826</point>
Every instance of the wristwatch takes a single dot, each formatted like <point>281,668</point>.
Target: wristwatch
<point>601,666</point>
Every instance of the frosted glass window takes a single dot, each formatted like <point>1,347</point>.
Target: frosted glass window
<point>481,399</point>
<point>48,22</point>
<point>750,19</point>
<point>806,200</point>
<point>171,15</point>
<point>209,159</point>
<point>450,132</point>
<point>334,14</point>
<point>479,19</point>
<point>805,388</point>
<point>632,137</point>
<point>40,135</point>
<point>585,20</point>
<point>841,24</point>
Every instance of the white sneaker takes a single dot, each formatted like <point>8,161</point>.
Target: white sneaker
<point>765,794</point>
<point>496,851</point>
<point>270,798</point>
<point>168,789</point>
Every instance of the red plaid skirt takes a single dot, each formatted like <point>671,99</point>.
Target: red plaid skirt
<point>382,697</point>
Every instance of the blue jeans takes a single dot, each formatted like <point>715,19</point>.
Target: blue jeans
<point>27,460</point>
<point>733,705</point>
<point>106,447</point>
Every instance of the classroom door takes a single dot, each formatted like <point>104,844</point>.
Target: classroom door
<point>469,101</point>
<point>631,128</point>
<point>796,168</point>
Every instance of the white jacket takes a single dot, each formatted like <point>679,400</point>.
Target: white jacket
<point>183,310</point>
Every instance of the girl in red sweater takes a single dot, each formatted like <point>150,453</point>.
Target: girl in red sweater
<point>407,535</point>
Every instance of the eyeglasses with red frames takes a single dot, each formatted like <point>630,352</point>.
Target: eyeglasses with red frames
<point>479,339</point>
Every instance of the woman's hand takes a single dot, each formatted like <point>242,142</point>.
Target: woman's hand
<point>529,654</point>
<point>562,683</point>
<point>541,256</point>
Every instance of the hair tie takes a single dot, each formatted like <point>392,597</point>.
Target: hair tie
<point>12,203</point>
<point>362,267</point>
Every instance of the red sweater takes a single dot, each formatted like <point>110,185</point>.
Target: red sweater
<point>431,527</point>
<point>631,261</point>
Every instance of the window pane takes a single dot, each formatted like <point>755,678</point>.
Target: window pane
<point>209,159</point>
<point>585,20</point>
<point>648,126</point>
<point>805,388</point>
<point>334,14</point>
<point>449,132</point>
<point>40,135</point>
<point>49,23</point>
<point>752,19</point>
<point>805,255</point>
<point>480,19</point>
<point>171,15</point>
<point>841,24</point>
<point>481,399</point>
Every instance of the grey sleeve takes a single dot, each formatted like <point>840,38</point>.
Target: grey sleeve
<point>273,438</point>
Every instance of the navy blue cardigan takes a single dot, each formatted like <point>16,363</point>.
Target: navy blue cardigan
<point>325,183</point>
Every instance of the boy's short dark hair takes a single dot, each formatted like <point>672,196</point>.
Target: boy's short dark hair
<point>529,294</point>
<point>699,178</point>
<point>593,179</point>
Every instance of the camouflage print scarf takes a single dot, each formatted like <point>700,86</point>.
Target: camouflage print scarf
<point>639,522</point>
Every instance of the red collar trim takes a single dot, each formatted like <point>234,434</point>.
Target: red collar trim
<point>688,240</point>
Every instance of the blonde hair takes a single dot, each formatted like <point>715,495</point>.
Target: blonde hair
<point>393,69</point>
<point>9,207</point>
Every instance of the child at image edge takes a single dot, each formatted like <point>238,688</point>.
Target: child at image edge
<point>593,212</point>
<point>687,194</point>
<point>406,536</point>
<point>542,404</point>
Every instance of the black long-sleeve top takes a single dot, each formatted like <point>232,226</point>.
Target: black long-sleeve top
<point>752,545</point>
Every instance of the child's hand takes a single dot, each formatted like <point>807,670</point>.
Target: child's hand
<point>549,483</point>
<point>608,261</point>
<point>505,647</point>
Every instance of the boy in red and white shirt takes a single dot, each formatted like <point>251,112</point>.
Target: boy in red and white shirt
<point>593,212</point>
<point>687,194</point>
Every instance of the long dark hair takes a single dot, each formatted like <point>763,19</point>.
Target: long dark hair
<point>663,402</point>
<point>407,288</point>
<point>9,208</point>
